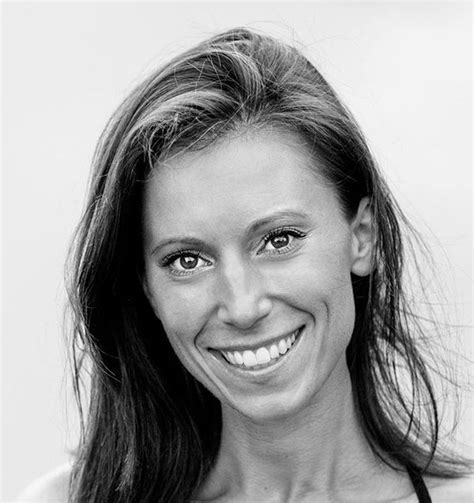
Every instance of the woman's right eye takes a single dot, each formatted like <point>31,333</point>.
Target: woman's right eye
<point>185,262</point>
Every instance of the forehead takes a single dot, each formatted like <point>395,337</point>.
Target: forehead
<point>232,182</point>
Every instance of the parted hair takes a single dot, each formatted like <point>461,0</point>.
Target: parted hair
<point>150,431</point>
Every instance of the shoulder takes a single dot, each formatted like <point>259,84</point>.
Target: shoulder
<point>459,490</point>
<point>51,487</point>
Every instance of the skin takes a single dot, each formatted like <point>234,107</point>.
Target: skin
<point>290,431</point>
<point>53,487</point>
<point>293,435</point>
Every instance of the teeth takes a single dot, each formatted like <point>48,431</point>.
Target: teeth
<point>249,358</point>
<point>274,351</point>
<point>262,355</point>
<point>282,347</point>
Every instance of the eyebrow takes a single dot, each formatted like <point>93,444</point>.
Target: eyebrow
<point>279,215</point>
<point>253,228</point>
<point>189,241</point>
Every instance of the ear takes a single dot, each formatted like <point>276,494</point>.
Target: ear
<point>363,239</point>
<point>149,297</point>
<point>146,289</point>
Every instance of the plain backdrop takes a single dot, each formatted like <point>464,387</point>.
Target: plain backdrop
<point>404,69</point>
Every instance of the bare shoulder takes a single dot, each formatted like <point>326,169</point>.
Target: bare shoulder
<point>460,490</point>
<point>51,487</point>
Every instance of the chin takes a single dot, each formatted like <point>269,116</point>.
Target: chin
<point>276,408</point>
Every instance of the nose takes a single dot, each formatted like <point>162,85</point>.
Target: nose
<point>243,301</point>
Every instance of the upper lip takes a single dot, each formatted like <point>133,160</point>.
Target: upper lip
<point>256,345</point>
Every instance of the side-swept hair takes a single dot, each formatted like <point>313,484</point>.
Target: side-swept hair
<point>152,431</point>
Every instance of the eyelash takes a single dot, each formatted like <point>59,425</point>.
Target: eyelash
<point>172,257</point>
<point>282,231</point>
<point>168,260</point>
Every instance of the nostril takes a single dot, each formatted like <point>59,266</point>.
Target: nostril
<point>265,306</point>
<point>244,313</point>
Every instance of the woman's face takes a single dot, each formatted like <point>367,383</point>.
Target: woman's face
<point>247,265</point>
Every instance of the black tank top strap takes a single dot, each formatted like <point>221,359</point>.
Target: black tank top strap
<point>420,487</point>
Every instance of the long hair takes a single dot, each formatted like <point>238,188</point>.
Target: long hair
<point>152,431</point>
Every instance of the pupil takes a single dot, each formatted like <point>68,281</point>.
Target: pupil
<point>280,241</point>
<point>188,262</point>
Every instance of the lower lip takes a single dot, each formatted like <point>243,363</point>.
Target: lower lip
<point>260,369</point>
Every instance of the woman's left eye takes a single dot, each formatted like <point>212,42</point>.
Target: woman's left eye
<point>280,241</point>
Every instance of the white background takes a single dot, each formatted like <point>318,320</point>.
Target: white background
<point>403,68</point>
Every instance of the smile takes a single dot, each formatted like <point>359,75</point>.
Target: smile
<point>263,356</point>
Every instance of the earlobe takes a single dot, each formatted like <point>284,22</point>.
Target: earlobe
<point>362,239</point>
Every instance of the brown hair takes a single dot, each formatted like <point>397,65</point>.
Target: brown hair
<point>153,431</point>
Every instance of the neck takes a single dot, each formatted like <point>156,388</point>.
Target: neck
<point>319,450</point>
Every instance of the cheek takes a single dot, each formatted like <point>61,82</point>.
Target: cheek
<point>321,285</point>
<point>183,311</point>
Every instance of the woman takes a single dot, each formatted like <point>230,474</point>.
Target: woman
<point>237,287</point>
